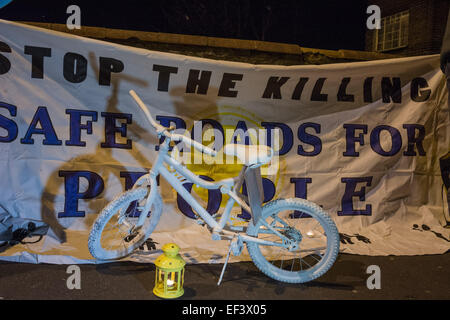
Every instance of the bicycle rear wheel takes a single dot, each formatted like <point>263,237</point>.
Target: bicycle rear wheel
<point>307,237</point>
<point>114,234</point>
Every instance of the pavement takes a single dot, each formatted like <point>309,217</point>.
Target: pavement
<point>401,277</point>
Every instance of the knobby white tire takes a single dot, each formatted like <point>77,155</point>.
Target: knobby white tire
<point>265,261</point>
<point>112,211</point>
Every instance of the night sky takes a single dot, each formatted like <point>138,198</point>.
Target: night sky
<point>315,24</point>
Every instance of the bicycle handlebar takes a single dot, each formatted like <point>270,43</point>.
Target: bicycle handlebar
<point>159,128</point>
<point>195,144</point>
<point>163,130</point>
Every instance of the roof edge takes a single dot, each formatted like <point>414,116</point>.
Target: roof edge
<point>184,39</point>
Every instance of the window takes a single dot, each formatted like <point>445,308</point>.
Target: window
<point>393,33</point>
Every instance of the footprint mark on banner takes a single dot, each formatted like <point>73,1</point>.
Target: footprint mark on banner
<point>347,239</point>
<point>427,228</point>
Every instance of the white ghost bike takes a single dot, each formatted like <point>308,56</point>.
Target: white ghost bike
<point>290,240</point>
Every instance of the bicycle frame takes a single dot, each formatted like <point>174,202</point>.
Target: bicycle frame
<point>145,201</point>
<point>228,186</point>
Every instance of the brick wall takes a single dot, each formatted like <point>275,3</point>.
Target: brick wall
<point>250,51</point>
<point>427,21</point>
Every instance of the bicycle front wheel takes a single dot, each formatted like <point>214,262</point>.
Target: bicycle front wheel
<point>305,237</point>
<point>114,234</point>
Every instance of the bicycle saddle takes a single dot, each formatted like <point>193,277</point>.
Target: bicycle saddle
<point>249,155</point>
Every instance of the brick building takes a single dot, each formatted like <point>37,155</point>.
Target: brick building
<point>409,27</point>
<point>249,51</point>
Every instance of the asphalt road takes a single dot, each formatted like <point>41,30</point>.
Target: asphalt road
<point>402,277</point>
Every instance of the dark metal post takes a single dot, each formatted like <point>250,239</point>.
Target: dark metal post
<point>255,191</point>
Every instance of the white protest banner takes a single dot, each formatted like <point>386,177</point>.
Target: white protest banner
<point>362,139</point>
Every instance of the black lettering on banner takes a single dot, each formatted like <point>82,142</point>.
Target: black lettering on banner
<point>375,140</point>
<point>241,132</point>
<point>164,76</point>
<point>317,95</point>
<point>342,94</point>
<point>286,135</point>
<point>413,140</point>
<point>391,90</point>
<point>351,139</point>
<point>8,124</point>
<point>297,94</point>
<point>75,67</point>
<point>41,119</point>
<point>368,90</point>
<point>351,192</point>
<point>72,191</point>
<point>228,83</point>
<point>218,132</point>
<point>37,60</point>
<point>108,66</point>
<point>310,139</point>
<point>76,126</point>
<point>420,95</point>
<point>5,64</point>
<point>198,82</point>
<point>273,87</point>
<point>111,129</point>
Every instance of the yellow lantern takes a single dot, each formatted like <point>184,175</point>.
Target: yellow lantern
<point>169,274</point>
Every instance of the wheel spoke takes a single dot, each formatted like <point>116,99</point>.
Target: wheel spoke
<point>306,263</point>
<point>277,256</point>
<point>318,260</point>
<point>118,235</point>
<point>118,231</point>
<point>299,238</point>
<point>276,218</point>
<point>274,231</point>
